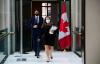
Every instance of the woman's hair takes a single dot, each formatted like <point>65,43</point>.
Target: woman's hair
<point>47,17</point>
<point>53,23</point>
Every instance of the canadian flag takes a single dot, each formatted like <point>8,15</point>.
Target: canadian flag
<point>64,31</point>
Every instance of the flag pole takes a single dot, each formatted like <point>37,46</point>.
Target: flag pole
<point>64,49</point>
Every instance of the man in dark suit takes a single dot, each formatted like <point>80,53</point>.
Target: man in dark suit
<point>36,26</point>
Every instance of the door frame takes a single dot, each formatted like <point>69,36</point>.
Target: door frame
<point>83,32</point>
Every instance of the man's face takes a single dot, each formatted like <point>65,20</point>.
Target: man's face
<point>36,13</point>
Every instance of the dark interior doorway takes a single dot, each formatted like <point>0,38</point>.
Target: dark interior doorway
<point>28,11</point>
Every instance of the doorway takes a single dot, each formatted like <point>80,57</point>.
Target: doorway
<point>45,8</point>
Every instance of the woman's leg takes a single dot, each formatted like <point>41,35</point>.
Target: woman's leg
<point>51,50</point>
<point>47,52</point>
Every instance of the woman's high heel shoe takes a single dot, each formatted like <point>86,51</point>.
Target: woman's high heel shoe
<point>48,60</point>
<point>51,57</point>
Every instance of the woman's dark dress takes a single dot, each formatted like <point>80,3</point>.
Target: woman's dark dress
<point>49,39</point>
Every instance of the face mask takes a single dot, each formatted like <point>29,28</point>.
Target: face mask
<point>36,14</point>
<point>47,21</point>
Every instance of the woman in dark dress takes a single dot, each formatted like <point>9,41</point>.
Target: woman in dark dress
<point>49,39</point>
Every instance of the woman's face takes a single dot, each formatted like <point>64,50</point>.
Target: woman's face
<point>48,21</point>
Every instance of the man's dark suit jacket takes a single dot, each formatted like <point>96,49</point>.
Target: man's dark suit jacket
<point>33,22</point>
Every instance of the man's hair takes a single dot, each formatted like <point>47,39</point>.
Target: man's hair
<point>36,11</point>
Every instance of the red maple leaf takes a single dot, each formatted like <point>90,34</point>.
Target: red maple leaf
<point>63,25</point>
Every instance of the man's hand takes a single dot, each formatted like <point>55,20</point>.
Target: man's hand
<point>35,26</point>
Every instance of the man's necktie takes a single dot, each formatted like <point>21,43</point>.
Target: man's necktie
<point>37,20</point>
